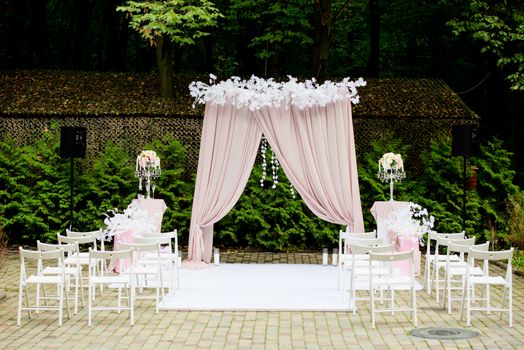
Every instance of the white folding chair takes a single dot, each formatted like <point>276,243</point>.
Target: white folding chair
<point>147,275</point>
<point>98,234</point>
<point>40,260</point>
<point>359,271</point>
<point>455,272</point>
<point>487,280</point>
<point>84,242</point>
<point>439,264</point>
<point>344,261</point>
<point>392,282</point>
<point>72,271</point>
<point>111,280</point>
<point>436,256</point>
<point>343,235</point>
<point>168,256</point>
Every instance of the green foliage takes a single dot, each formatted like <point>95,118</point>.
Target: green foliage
<point>499,27</point>
<point>515,204</point>
<point>177,193</point>
<point>371,188</point>
<point>439,188</point>
<point>34,194</point>
<point>181,21</point>
<point>109,184</point>
<point>34,189</point>
<point>272,219</point>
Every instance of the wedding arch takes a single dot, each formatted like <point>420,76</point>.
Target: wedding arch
<point>308,126</point>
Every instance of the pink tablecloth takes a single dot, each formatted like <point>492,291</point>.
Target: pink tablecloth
<point>404,244</point>
<point>123,237</point>
<point>381,211</point>
<point>155,208</point>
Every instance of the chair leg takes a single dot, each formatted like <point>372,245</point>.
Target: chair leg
<point>371,292</point>
<point>468,306</point>
<point>27,301</point>
<point>510,306</point>
<point>132,304</point>
<point>66,300</point>
<point>61,302</point>
<point>20,298</point>
<point>414,305</point>
<point>488,300</point>
<point>425,283</point>
<point>89,305</point>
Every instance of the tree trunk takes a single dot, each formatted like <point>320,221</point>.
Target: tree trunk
<point>323,18</point>
<point>374,39</point>
<point>165,66</point>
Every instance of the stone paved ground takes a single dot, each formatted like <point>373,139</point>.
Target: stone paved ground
<point>248,330</point>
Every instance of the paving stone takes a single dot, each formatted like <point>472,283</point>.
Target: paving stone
<point>250,330</point>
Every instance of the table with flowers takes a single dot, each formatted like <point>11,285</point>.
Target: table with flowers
<point>405,228</point>
<point>143,215</point>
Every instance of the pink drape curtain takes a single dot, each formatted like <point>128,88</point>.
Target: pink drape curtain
<point>230,139</point>
<point>316,148</point>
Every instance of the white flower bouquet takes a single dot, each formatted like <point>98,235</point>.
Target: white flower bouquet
<point>412,222</point>
<point>147,160</point>
<point>133,218</point>
<point>391,162</point>
<point>390,169</point>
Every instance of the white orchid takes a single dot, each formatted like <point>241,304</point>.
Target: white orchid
<point>411,221</point>
<point>133,218</point>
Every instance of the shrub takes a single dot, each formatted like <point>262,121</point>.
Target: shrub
<point>515,205</point>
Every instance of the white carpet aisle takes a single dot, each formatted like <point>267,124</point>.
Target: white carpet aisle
<point>261,287</point>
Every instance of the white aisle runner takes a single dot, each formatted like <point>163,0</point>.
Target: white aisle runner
<point>260,287</point>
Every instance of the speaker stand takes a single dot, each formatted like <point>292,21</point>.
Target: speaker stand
<point>71,194</point>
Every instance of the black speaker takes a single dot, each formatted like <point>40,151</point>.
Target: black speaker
<point>461,144</point>
<point>73,142</point>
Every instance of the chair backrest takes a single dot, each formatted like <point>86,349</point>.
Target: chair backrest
<point>346,242</point>
<point>440,237</point>
<point>97,233</point>
<point>82,240</point>
<point>68,248</point>
<point>390,261</point>
<point>359,249</point>
<point>445,241</point>
<point>110,254</point>
<point>464,248</point>
<point>141,248</point>
<point>159,239</point>
<point>487,256</point>
<point>491,255</point>
<point>39,257</point>
<point>345,235</point>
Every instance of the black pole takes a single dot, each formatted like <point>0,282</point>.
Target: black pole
<point>464,196</point>
<point>71,195</point>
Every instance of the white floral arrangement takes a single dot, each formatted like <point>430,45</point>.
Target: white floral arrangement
<point>391,161</point>
<point>256,92</point>
<point>133,218</point>
<point>411,221</point>
<point>147,160</point>
<point>391,167</point>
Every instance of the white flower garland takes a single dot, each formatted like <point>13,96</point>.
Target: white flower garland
<point>259,92</point>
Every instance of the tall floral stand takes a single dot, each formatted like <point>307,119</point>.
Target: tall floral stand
<point>391,176</point>
<point>147,170</point>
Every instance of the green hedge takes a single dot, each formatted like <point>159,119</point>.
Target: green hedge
<point>34,194</point>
